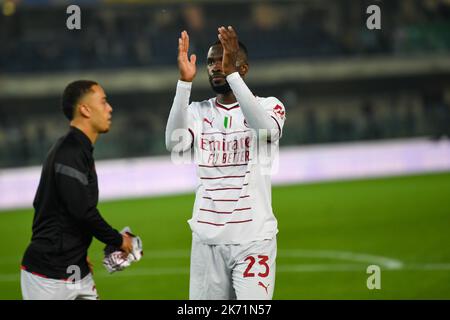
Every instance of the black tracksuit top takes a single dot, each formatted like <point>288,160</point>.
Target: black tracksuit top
<point>65,211</point>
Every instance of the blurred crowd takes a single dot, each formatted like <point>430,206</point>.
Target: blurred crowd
<point>36,38</point>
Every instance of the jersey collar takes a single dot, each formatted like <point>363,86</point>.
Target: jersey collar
<point>227,107</point>
<point>83,138</point>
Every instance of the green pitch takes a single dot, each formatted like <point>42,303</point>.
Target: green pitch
<point>329,234</point>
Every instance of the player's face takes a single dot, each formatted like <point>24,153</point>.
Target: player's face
<point>216,76</point>
<point>100,109</point>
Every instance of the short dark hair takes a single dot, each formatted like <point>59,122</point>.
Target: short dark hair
<point>72,94</point>
<point>242,47</point>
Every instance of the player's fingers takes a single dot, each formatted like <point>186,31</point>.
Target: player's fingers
<point>186,42</point>
<point>193,58</point>
<point>221,40</point>
<point>229,41</point>
<point>225,43</point>
<point>233,36</point>
<point>231,32</point>
<point>224,33</point>
<point>180,45</point>
<point>181,52</point>
<point>183,40</point>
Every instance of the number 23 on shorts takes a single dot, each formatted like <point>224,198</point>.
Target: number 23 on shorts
<point>262,260</point>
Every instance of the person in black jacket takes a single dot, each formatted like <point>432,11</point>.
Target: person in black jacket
<point>55,264</point>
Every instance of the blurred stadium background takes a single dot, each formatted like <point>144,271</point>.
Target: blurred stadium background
<point>364,172</point>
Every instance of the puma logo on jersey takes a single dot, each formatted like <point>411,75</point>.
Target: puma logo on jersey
<point>208,121</point>
<point>265,287</point>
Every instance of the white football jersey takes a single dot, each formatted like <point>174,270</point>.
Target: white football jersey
<point>233,198</point>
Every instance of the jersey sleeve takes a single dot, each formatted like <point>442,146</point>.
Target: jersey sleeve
<point>180,125</point>
<point>192,121</point>
<point>276,110</point>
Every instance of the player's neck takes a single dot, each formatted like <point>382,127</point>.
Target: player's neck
<point>226,98</point>
<point>86,129</point>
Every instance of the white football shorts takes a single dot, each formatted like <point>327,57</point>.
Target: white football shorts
<point>232,271</point>
<point>35,287</point>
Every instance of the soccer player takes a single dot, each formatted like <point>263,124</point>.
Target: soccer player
<point>234,229</point>
<point>66,216</point>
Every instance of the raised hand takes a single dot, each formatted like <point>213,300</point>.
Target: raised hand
<point>230,44</point>
<point>186,66</point>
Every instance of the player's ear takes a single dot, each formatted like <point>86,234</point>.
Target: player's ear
<point>84,110</point>
<point>243,69</point>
